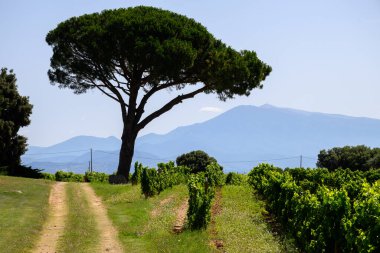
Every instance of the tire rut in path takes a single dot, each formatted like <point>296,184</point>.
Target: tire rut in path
<point>181,217</point>
<point>216,209</point>
<point>55,223</point>
<point>108,240</point>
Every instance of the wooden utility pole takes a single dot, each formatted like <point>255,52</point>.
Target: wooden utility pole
<point>301,161</point>
<point>91,162</point>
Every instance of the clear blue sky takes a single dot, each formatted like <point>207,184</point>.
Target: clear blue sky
<point>325,57</point>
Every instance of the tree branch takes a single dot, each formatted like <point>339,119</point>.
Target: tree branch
<point>149,93</point>
<point>107,94</point>
<point>167,107</point>
<point>120,99</point>
<point>119,83</point>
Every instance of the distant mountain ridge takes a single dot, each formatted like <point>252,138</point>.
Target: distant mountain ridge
<point>239,139</point>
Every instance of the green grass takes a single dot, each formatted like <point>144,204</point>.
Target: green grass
<point>139,230</point>
<point>23,208</point>
<point>81,234</point>
<point>24,205</point>
<point>241,225</point>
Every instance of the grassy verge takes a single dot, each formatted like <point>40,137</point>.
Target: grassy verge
<point>81,234</point>
<point>241,225</point>
<point>23,208</point>
<point>146,225</point>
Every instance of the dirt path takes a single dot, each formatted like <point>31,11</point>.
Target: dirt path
<point>55,223</point>
<point>108,235</point>
<point>181,216</point>
<point>216,209</point>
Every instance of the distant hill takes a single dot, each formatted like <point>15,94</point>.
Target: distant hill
<point>245,135</point>
<point>74,155</point>
<point>239,139</point>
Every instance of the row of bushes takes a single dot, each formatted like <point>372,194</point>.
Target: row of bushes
<point>155,181</point>
<point>325,212</point>
<point>201,188</point>
<point>72,177</point>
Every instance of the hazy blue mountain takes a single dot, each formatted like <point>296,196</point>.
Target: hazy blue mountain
<point>74,155</point>
<point>80,143</point>
<point>253,134</point>
<point>239,139</point>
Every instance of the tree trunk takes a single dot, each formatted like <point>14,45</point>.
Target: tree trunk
<point>126,153</point>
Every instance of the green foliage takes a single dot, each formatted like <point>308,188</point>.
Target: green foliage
<point>353,157</point>
<point>139,230</point>
<point>14,114</point>
<point>166,176</point>
<point>68,176</point>
<point>133,53</point>
<point>24,171</point>
<point>364,226</point>
<point>149,182</point>
<point>169,47</point>
<point>48,176</point>
<point>197,160</point>
<point>136,177</point>
<point>214,175</point>
<point>372,175</point>
<point>96,177</point>
<point>234,178</point>
<point>374,162</point>
<point>200,198</point>
<point>323,210</point>
<point>242,224</point>
<point>169,175</point>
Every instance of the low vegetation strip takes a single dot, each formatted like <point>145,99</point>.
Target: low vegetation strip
<point>324,211</point>
<point>81,233</point>
<point>23,208</point>
<point>240,224</point>
<point>139,231</point>
<point>55,223</point>
<point>108,234</point>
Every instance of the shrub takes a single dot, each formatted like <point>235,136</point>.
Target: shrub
<point>200,198</point>
<point>214,175</point>
<point>136,177</point>
<point>353,157</point>
<point>234,178</point>
<point>24,171</point>
<point>197,161</point>
<point>48,176</point>
<point>96,177</point>
<point>324,211</point>
<point>68,176</point>
<point>167,175</point>
<point>149,182</point>
<point>364,227</point>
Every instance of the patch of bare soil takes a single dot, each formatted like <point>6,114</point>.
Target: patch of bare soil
<point>181,217</point>
<point>157,210</point>
<point>216,209</point>
<point>55,222</point>
<point>108,233</point>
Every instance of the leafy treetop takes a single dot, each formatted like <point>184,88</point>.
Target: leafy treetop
<point>197,161</point>
<point>14,114</point>
<point>131,54</point>
<point>122,51</point>
<point>349,157</point>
